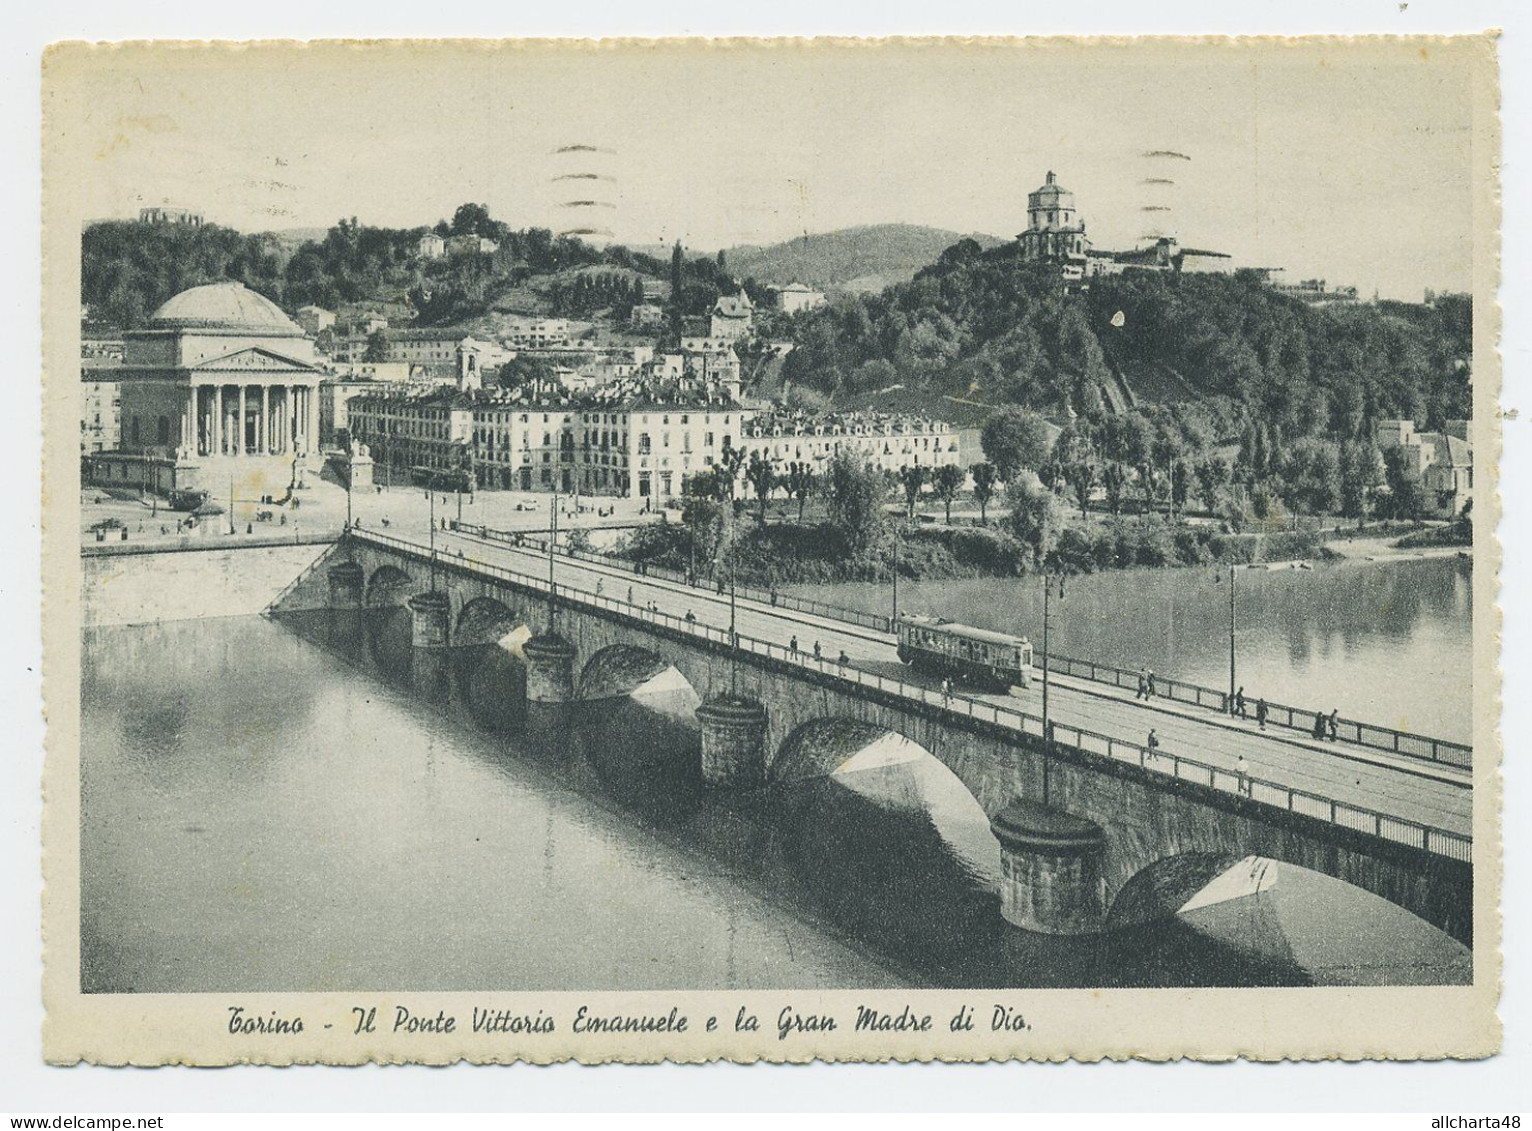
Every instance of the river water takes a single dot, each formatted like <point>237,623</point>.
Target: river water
<point>1388,642</point>
<point>265,808</point>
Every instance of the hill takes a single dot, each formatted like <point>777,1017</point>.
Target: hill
<point>982,328</point>
<point>861,259</point>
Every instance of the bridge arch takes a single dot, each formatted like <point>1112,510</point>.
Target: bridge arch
<point>639,726</point>
<point>1309,925</point>
<point>388,585</point>
<point>388,622</point>
<point>1144,874</point>
<point>487,662</point>
<point>885,837</point>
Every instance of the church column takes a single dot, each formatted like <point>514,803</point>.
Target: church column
<point>313,418</point>
<point>217,415</point>
<point>292,416</point>
<point>239,425</point>
<point>265,420</point>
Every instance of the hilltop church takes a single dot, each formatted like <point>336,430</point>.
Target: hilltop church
<point>1056,234</point>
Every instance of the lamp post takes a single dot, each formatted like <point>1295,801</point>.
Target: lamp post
<point>1048,580</point>
<point>553,537</point>
<point>431,536</point>
<point>1232,624</point>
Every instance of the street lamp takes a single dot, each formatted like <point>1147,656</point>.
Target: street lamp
<point>1048,579</point>
<point>431,535</point>
<point>553,537</point>
<point>1216,580</point>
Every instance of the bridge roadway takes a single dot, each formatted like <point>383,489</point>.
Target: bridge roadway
<point>1437,796</point>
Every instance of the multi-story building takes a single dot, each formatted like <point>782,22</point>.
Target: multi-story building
<point>635,438</point>
<point>471,245</point>
<point>186,217</point>
<point>887,442</point>
<point>538,333</point>
<point>431,246</point>
<point>732,317</point>
<point>635,441</point>
<point>1441,462</point>
<point>646,316</point>
<point>314,318</point>
<point>796,296</point>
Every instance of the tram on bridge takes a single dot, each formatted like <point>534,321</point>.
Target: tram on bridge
<point>990,659</point>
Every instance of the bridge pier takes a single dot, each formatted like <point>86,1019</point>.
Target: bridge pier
<point>347,582</point>
<point>550,660</point>
<point>733,741</point>
<point>1052,879</point>
<point>430,618</point>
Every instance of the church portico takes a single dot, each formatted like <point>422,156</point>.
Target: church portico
<point>219,374</point>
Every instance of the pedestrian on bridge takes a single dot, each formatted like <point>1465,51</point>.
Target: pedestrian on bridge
<point>1260,712</point>
<point>1239,703</point>
<point>817,655</point>
<point>1153,744</point>
<point>947,692</point>
<point>792,645</point>
<point>1319,726</point>
<point>1332,724</point>
<point>1242,771</point>
<point>1143,684</point>
<point>1150,694</point>
<point>599,586</point>
<point>630,594</point>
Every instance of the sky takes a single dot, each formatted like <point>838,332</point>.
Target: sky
<point>1346,163</point>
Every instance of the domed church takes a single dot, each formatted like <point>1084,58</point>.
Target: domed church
<point>219,382</point>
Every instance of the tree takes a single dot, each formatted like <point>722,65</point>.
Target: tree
<point>1114,477</point>
<point>377,348</point>
<point>1013,439</point>
<point>947,482</point>
<point>470,220</point>
<point>800,483</point>
<point>1211,475</point>
<point>1075,456</point>
<point>677,288</point>
<point>983,487</point>
<point>854,494</point>
<point>730,460</point>
<point>1034,518</point>
<point>912,477</point>
<point>1180,485</point>
<point>1406,500</point>
<point>1361,473</point>
<point>762,477</point>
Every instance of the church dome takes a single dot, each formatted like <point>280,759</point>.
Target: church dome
<point>229,307</point>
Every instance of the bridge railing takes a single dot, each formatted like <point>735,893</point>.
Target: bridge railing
<point>1440,842</point>
<point>1439,750</point>
<point>772,597</point>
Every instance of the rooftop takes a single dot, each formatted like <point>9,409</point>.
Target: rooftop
<point>227,306</point>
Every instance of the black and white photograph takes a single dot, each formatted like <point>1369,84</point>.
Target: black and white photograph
<point>565,540</point>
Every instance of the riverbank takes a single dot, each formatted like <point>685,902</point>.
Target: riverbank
<point>818,553</point>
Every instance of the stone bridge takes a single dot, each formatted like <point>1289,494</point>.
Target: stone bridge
<point>1086,841</point>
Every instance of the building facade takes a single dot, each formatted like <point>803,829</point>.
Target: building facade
<point>1441,462</point>
<point>732,317</point>
<point>796,296</point>
<point>887,442</point>
<point>182,217</point>
<point>219,382</point>
<point>1055,232</point>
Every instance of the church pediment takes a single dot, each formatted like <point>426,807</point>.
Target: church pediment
<point>253,358</point>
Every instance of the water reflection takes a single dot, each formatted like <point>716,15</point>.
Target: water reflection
<point>291,817</point>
